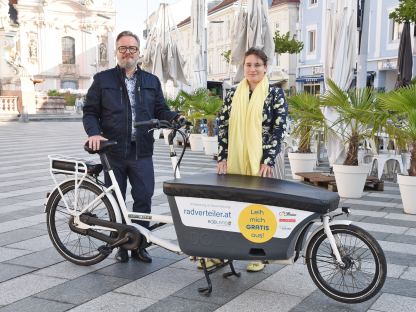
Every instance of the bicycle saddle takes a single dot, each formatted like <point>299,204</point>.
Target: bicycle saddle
<point>104,146</point>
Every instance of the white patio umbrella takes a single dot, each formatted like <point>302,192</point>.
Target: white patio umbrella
<point>339,62</point>
<point>162,56</point>
<point>251,29</point>
<point>199,43</point>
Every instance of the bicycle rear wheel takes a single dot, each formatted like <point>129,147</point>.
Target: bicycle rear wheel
<point>77,248</point>
<point>365,268</point>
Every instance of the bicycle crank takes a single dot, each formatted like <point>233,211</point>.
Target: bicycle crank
<point>125,236</point>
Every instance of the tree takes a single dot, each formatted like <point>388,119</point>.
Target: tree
<point>227,56</point>
<point>405,12</point>
<point>283,43</point>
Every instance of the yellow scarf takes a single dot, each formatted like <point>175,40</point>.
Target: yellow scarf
<point>245,138</point>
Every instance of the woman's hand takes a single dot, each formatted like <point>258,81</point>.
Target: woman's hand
<point>265,171</point>
<point>222,167</point>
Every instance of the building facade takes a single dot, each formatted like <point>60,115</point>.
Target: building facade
<point>220,32</point>
<point>283,17</point>
<point>58,44</point>
<point>383,47</point>
<point>310,31</point>
<point>383,44</point>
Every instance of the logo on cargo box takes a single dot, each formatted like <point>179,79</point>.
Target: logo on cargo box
<point>257,223</point>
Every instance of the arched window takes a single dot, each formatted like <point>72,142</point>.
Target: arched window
<point>68,50</point>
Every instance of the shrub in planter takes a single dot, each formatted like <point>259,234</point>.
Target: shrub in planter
<point>401,105</point>
<point>359,118</point>
<point>305,110</point>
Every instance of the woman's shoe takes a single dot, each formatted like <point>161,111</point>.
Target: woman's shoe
<point>255,266</point>
<point>209,263</point>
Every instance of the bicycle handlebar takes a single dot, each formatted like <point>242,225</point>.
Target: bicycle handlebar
<point>156,123</point>
<point>176,126</point>
<point>153,123</point>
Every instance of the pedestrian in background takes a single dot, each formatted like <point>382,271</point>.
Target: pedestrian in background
<point>78,105</point>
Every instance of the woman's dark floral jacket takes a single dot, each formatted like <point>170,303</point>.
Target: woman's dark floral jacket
<point>274,125</point>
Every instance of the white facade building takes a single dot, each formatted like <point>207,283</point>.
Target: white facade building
<point>59,44</point>
<point>283,16</point>
<point>383,44</point>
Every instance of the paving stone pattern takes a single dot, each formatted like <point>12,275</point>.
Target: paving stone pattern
<point>34,277</point>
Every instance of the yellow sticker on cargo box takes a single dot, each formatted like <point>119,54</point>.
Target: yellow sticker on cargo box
<point>257,223</point>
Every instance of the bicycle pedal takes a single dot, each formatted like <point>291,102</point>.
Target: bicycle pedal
<point>105,250</point>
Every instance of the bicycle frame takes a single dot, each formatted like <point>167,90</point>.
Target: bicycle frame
<point>121,212</point>
<point>118,203</point>
<point>232,217</point>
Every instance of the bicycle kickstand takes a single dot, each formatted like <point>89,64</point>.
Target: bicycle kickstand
<point>207,273</point>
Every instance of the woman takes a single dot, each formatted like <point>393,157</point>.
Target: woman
<point>251,125</point>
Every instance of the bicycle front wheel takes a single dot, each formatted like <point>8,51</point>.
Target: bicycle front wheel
<point>364,270</point>
<point>77,248</point>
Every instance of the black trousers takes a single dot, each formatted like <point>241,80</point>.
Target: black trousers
<point>141,175</point>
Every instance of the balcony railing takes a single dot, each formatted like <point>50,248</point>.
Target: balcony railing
<point>8,105</point>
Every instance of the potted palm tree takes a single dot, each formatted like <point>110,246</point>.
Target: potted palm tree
<point>358,119</point>
<point>401,104</point>
<point>191,102</point>
<point>308,120</point>
<point>207,107</point>
<point>176,104</point>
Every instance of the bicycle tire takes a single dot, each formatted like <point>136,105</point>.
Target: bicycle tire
<point>77,248</point>
<point>329,276</point>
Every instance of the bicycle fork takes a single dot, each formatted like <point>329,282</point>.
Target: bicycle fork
<point>332,241</point>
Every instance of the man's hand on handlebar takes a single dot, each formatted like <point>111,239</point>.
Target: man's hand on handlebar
<point>222,167</point>
<point>94,142</point>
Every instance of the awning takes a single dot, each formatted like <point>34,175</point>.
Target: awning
<point>310,79</point>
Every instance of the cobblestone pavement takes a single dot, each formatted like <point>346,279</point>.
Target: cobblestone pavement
<point>34,277</point>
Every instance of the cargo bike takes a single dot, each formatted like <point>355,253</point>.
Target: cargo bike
<point>229,217</point>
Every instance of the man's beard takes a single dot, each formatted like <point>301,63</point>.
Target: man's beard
<point>127,63</point>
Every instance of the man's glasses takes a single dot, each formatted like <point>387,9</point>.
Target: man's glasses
<point>256,65</point>
<point>124,49</point>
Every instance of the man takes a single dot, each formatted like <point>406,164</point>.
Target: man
<point>116,98</point>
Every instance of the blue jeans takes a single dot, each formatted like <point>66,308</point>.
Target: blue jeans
<point>141,176</point>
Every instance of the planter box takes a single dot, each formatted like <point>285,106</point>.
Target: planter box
<point>210,145</point>
<point>350,180</point>
<point>301,162</point>
<point>407,185</point>
<point>195,140</point>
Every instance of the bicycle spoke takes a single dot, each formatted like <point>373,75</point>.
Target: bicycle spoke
<point>75,245</point>
<point>360,263</point>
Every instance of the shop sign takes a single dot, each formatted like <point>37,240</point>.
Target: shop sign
<point>387,64</point>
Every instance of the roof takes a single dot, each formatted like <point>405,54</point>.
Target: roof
<point>184,22</point>
<point>279,2</point>
<point>223,4</point>
<point>218,7</point>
